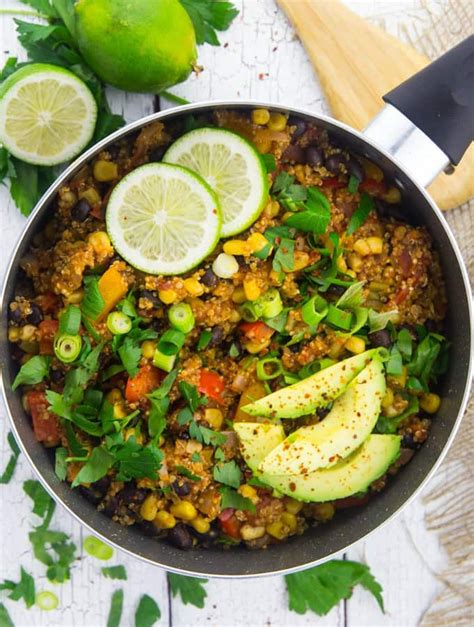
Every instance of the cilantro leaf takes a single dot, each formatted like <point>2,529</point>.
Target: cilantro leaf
<point>231,498</point>
<point>185,472</point>
<point>42,6</point>
<point>136,461</point>
<point>319,589</point>
<point>130,355</point>
<point>7,169</point>
<point>96,467</point>
<point>147,612</point>
<point>33,371</point>
<point>7,474</point>
<point>39,496</point>
<point>93,302</point>
<point>28,183</point>
<point>205,435</point>
<point>208,16</point>
<point>228,474</point>
<point>5,619</point>
<point>24,589</point>
<point>365,206</point>
<point>190,589</point>
<point>116,607</point>
<point>114,572</point>
<point>53,550</point>
<point>284,258</point>
<point>190,394</point>
<point>60,463</point>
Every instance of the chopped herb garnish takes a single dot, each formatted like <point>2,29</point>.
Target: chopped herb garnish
<point>7,474</point>
<point>352,297</point>
<point>353,184</point>
<point>231,498</point>
<point>185,472</point>
<point>93,302</point>
<point>159,405</point>
<point>190,394</point>
<point>60,464</point>
<point>53,549</point>
<point>96,467</point>
<point>316,213</point>
<point>205,435</point>
<point>379,320</point>
<point>365,206</point>
<point>24,589</point>
<point>394,365</point>
<point>33,371</point>
<point>228,474</point>
<point>190,589</point>
<point>390,425</point>
<point>209,16</point>
<point>147,612</point>
<point>114,572</point>
<point>70,320</point>
<point>204,340</point>
<point>116,607</point>
<point>269,162</point>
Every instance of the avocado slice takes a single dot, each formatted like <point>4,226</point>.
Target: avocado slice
<point>316,391</point>
<point>257,440</point>
<point>350,421</point>
<point>349,476</point>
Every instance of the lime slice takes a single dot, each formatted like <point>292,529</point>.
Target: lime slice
<point>47,114</point>
<point>163,219</point>
<point>232,167</point>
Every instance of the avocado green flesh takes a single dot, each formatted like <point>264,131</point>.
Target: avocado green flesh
<point>258,440</point>
<point>316,391</point>
<point>349,476</point>
<point>350,421</point>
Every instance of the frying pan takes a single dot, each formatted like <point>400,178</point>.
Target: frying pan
<point>424,128</point>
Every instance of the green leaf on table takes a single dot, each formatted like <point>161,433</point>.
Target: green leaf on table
<point>39,496</point>
<point>33,371</point>
<point>53,549</point>
<point>7,474</point>
<point>65,10</point>
<point>228,474</point>
<point>208,16</point>
<point>231,498</point>
<point>147,612</point>
<point>5,618</point>
<point>321,588</point>
<point>114,572</point>
<point>116,607</point>
<point>357,219</point>
<point>24,589</point>
<point>190,589</point>
<point>7,169</point>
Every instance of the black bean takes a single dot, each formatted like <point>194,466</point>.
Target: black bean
<point>180,537</point>
<point>111,506</point>
<point>295,348</point>
<point>386,210</point>
<point>409,442</point>
<point>217,336</point>
<point>56,376</point>
<point>355,169</point>
<point>335,290</point>
<point>182,488</point>
<point>130,494</point>
<point>81,210</point>
<point>314,156</point>
<point>209,278</point>
<point>206,539</point>
<point>300,127</point>
<point>294,154</point>
<point>91,495</point>
<point>101,485</point>
<point>157,153</point>
<point>148,528</point>
<point>15,315</point>
<point>380,338</point>
<point>151,296</point>
<point>241,261</point>
<point>35,316</point>
<point>335,162</point>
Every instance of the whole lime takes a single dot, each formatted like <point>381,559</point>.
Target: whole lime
<point>136,45</point>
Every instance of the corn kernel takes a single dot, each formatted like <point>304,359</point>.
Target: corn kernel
<point>114,396</point>
<point>75,298</point>
<point>290,521</point>
<point>213,417</point>
<point>323,511</point>
<point>91,195</point>
<point>193,287</point>
<point>341,264</point>
<point>100,242</point>
<point>355,345</point>
<point>119,411</point>
<point>105,171</point>
<point>149,508</point>
<point>257,242</point>
<point>255,347</point>
<point>430,403</point>
<point>277,122</point>
<point>200,524</point>
<point>14,334</point>
<point>392,195</point>
<point>272,208</point>
<point>301,260</point>
<point>375,244</point>
<point>184,510</point>
<point>237,247</point>
<point>293,506</point>
<point>248,492</point>
<point>351,273</point>
<point>378,286</point>
<point>251,289</point>
<point>235,316</point>
<point>251,533</point>
<point>287,215</point>
<point>372,171</point>
<point>278,530</point>
<point>238,296</point>
<point>167,296</point>
<point>355,262</point>
<point>362,247</point>
<point>260,116</point>
<point>148,349</point>
<point>27,332</point>
<point>388,398</point>
<point>164,520</point>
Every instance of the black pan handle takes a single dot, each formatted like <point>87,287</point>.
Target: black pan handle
<point>439,100</point>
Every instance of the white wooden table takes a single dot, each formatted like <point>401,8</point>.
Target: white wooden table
<point>263,60</point>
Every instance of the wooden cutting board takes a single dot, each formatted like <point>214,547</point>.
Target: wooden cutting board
<point>357,63</point>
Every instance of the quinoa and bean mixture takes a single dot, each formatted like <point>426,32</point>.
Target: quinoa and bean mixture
<point>155,446</point>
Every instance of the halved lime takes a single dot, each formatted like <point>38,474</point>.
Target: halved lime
<point>47,114</point>
<point>163,219</point>
<point>232,167</point>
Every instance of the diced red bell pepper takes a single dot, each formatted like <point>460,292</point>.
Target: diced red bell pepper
<point>231,527</point>
<point>144,382</point>
<point>373,187</point>
<point>45,424</point>
<point>47,330</point>
<point>256,331</point>
<point>211,384</point>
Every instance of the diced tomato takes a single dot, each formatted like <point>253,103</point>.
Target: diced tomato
<point>211,384</point>
<point>333,183</point>
<point>45,423</point>
<point>47,330</point>
<point>226,514</point>
<point>256,331</point>
<point>373,187</point>
<point>230,526</point>
<point>147,379</point>
<point>351,501</point>
<point>48,302</point>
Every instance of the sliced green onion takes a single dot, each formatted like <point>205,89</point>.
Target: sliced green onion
<point>271,303</point>
<point>97,548</point>
<point>315,366</point>
<point>353,185</point>
<point>118,323</point>
<point>181,317</point>
<point>339,318</point>
<point>67,347</point>
<point>290,378</point>
<point>70,320</point>
<point>251,311</point>
<point>171,342</point>
<point>164,362</point>
<point>272,363</point>
<point>46,601</point>
<point>278,322</point>
<point>204,340</point>
<point>314,311</point>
